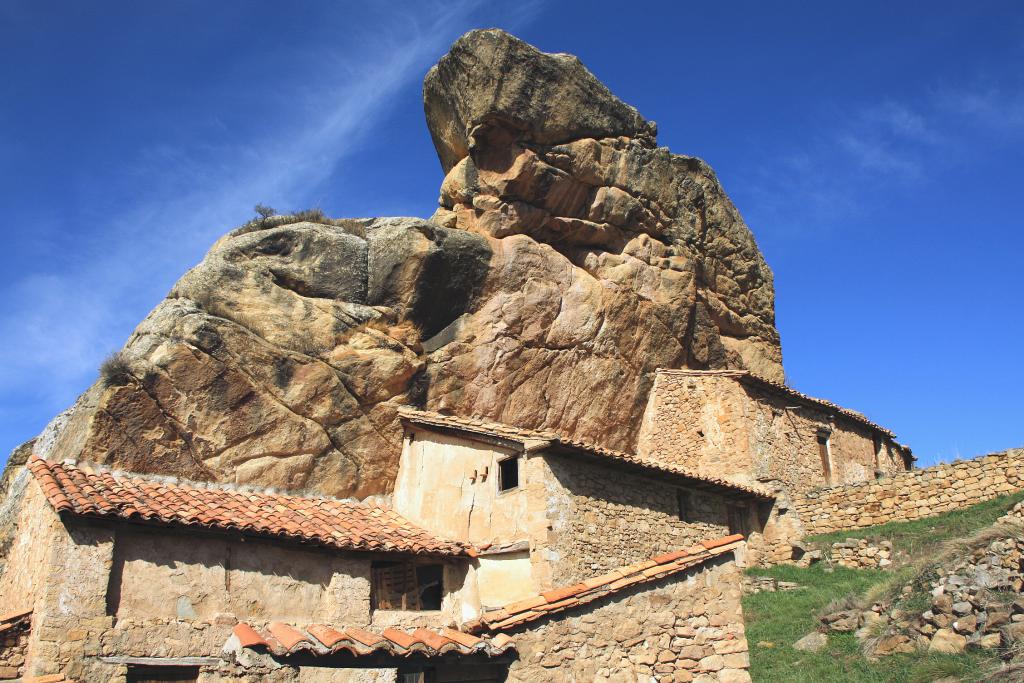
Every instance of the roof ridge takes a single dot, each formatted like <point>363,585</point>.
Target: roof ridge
<point>594,588</point>
<point>335,524</point>
<point>96,468</point>
<point>782,387</point>
<point>503,430</point>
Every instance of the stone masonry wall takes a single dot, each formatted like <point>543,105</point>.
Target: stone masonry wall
<point>687,627</point>
<point>13,648</point>
<point>721,426</point>
<point>912,495</point>
<point>602,518</point>
<point>857,553</point>
<point>82,613</point>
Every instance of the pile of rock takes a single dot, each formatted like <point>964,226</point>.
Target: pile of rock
<point>862,554</point>
<point>1014,516</point>
<point>976,603</point>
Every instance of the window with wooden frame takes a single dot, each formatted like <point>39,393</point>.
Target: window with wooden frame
<point>739,520</point>
<point>406,586</point>
<point>826,465</point>
<point>683,505</point>
<point>876,443</point>
<point>508,474</point>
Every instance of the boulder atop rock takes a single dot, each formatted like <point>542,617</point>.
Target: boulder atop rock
<point>548,98</point>
<point>569,258</point>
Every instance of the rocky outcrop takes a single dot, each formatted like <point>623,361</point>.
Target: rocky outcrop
<point>569,259</point>
<point>973,601</point>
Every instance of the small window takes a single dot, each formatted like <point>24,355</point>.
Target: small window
<point>159,674</point>
<point>739,518</point>
<point>826,465</point>
<point>508,474</point>
<point>683,505</point>
<point>406,586</point>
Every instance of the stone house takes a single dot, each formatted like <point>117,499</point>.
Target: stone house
<point>735,424</point>
<point>125,574</point>
<point>122,577</point>
<point>545,511</point>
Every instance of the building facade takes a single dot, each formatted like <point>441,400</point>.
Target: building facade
<point>737,425</point>
<point>545,511</point>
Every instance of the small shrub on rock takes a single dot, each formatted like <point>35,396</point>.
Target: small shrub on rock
<point>115,370</point>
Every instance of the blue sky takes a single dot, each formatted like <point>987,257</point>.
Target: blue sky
<point>874,149</point>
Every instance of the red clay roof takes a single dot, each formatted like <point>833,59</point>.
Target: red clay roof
<point>337,524</point>
<point>561,599</point>
<point>283,639</point>
<point>517,434</point>
<point>779,388</point>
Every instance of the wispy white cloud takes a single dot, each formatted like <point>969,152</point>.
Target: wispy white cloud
<point>64,320</point>
<point>999,109</point>
<point>822,183</point>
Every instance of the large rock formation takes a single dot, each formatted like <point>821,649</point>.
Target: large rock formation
<point>570,258</point>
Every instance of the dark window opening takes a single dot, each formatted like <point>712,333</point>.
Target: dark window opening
<point>739,520</point>
<point>683,505</point>
<point>508,474</point>
<point>826,466</point>
<point>406,586</point>
<point>156,674</point>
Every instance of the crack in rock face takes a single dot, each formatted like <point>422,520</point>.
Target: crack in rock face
<point>569,258</point>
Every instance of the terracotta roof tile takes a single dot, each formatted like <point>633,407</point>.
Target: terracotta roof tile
<point>287,636</point>
<point>516,434</point>
<point>598,587</point>
<point>318,639</point>
<point>364,637</point>
<point>336,524</point>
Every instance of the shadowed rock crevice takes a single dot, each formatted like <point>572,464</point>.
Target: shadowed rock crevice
<point>570,257</point>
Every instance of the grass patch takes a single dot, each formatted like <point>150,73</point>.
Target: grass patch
<point>784,617</point>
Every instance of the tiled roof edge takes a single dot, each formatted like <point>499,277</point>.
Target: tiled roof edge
<point>778,387</point>
<point>501,430</point>
<point>561,599</point>
<point>282,639</point>
<point>56,495</point>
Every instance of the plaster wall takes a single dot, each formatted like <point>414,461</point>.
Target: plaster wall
<point>28,562</point>
<point>503,579</point>
<point>449,484</point>
<point>171,574</point>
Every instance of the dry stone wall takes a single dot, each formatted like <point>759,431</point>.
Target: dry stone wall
<point>13,645</point>
<point>912,495</point>
<point>860,554</point>
<point>687,628</point>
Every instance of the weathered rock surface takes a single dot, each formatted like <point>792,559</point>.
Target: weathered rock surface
<point>570,258</point>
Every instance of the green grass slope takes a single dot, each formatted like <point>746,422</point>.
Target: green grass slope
<point>777,620</point>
